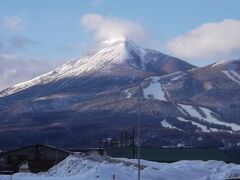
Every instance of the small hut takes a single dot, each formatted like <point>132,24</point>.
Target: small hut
<point>23,167</point>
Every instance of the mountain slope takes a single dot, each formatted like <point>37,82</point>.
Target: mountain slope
<point>215,86</point>
<point>96,95</point>
<point>182,88</point>
<point>118,57</point>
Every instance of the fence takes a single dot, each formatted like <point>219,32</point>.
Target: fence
<point>170,154</point>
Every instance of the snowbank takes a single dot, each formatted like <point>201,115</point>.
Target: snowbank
<point>83,168</point>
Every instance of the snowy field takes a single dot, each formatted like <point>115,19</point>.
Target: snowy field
<point>83,168</point>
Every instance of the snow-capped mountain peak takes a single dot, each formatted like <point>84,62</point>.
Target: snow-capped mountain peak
<point>114,40</point>
<point>128,50</point>
<point>114,54</point>
<point>230,64</point>
<point>111,53</point>
<point>115,57</point>
<point>219,63</point>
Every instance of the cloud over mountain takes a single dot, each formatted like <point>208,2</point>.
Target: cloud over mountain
<point>210,40</point>
<point>14,23</point>
<point>15,69</point>
<point>105,27</point>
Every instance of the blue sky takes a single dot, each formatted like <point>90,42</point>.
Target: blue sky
<point>48,32</point>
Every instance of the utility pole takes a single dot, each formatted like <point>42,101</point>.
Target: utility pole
<point>138,126</point>
<point>133,143</point>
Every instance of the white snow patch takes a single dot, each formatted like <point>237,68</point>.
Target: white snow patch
<point>236,74</point>
<point>189,170</point>
<point>219,63</point>
<point>190,110</point>
<point>154,89</point>
<point>182,110</point>
<point>75,168</point>
<point>177,78</point>
<point>233,75</point>
<point>213,120</point>
<point>208,85</point>
<point>166,124</point>
<point>128,93</point>
<point>55,96</point>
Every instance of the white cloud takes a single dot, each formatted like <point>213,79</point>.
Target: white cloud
<point>21,41</point>
<point>1,46</point>
<point>19,68</point>
<point>74,47</point>
<point>15,69</point>
<point>210,40</point>
<point>105,27</point>
<point>96,2</point>
<point>13,23</point>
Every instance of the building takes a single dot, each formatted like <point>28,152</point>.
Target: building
<point>24,167</point>
<point>37,157</point>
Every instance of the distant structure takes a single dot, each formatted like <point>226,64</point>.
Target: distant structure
<point>38,158</point>
<point>126,139</point>
<point>24,167</point>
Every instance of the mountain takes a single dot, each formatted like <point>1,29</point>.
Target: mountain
<point>115,58</point>
<point>96,96</point>
<point>215,86</point>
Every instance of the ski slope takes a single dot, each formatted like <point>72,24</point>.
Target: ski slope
<point>154,89</point>
<point>233,75</point>
<point>210,116</point>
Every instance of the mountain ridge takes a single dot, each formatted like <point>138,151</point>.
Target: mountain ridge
<point>96,95</point>
<point>120,52</point>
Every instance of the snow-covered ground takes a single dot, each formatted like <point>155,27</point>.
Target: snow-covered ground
<point>233,75</point>
<point>166,124</point>
<point>154,89</point>
<point>128,93</point>
<point>209,116</point>
<point>219,63</point>
<point>82,168</point>
<point>202,127</point>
